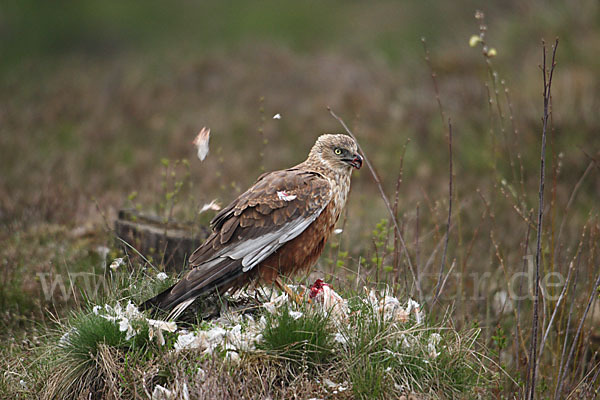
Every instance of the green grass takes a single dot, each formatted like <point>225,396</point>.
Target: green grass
<point>307,340</point>
<point>86,332</point>
<point>385,358</point>
<point>88,353</point>
<point>77,355</point>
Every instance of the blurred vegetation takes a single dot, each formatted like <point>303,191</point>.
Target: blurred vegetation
<point>95,94</point>
<point>102,89</point>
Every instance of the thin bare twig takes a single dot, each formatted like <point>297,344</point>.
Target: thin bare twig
<point>447,275</point>
<point>518,324</point>
<point>515,137</point>
<point>592,159</point>
<point>434,80</point>
<point>417,251</point>
<point>556,307</point>
<point>567,329</point>
<point>386,201</point>
<point>577,389</point>
<point>534,331</point>
<point>569,203</point>
<point>441,273</point>
<point>443,116</point>
<point>593,295</point>
<point>596,374</point>
<point>396,255</point>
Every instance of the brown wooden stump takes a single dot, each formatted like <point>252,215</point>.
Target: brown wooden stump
<point>167,243</point>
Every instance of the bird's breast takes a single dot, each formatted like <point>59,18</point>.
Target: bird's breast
<point>340,185</point>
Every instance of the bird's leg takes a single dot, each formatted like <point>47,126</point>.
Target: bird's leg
<point>288,290</point>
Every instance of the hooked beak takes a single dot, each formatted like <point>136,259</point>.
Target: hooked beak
<point>356,161</point>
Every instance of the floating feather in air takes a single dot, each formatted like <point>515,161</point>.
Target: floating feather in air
<point>213,205</point>
<point>201,142</point>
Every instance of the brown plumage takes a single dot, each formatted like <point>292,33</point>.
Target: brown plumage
<point>278,226</point>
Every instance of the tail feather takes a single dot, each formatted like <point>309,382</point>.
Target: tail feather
<point>178,309</point>
<point>159,302</point>
<point>194,284</point>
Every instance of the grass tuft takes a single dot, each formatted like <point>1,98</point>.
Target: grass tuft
<point>384,358</point>
<point>89,352</point>
<point>307,340</point>
<point>87,332</point>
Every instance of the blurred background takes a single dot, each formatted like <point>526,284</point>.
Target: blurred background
<point>99,103</point>
<point>95,93</point>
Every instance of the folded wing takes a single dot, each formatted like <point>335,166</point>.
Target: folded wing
<point>275,210</point>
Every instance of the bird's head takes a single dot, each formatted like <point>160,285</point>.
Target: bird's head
<point>337,152</point>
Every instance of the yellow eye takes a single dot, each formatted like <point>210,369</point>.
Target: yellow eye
<point>338,151</point>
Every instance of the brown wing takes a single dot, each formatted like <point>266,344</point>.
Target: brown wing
<point>275,210</point>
